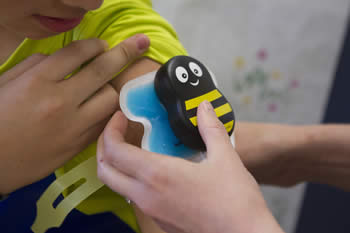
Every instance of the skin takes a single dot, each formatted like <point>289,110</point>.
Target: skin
<point>197,194</point>
<point>36,105</point>
<point>17,17</point>
<point>31,96</point>
<point>286,155</point>
<point>40,105</point>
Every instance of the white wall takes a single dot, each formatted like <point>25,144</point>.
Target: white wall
<point>274,60</point>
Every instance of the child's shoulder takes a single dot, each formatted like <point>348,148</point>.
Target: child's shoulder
<point>113,14</point>
<point>117,20</point>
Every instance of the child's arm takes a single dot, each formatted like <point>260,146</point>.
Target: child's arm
<point>286,155</point>
<point>138,68</point>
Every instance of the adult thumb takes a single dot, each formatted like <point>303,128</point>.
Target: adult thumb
<point>212,130</point>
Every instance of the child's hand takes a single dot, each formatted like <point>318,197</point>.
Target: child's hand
<point>216,195</point>
<point>46,120</point>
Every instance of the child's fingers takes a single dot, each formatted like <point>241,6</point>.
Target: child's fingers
<point>106,66</point>
<point>90,135</point>
<point>21,68</point>
<point>100,106</point>
<point>62,63</point>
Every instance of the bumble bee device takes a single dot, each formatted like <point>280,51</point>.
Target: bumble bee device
<point>181,85</point>
<point>166,102</point>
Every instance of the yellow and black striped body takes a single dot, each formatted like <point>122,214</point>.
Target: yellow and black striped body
<point>181,85</point>
<point>222,108</point>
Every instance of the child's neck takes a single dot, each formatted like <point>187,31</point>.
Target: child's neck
<point>9,42</point>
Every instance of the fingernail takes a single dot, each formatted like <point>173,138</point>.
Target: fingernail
<point>142,41</point>
<point>207,106</point>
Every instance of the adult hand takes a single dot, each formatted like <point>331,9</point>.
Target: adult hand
<point>216,195</point>
<point>45,119</point>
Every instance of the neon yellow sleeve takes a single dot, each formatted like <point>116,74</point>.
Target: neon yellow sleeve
<point>117,20</point>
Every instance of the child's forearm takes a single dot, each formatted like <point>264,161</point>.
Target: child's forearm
<point>324,155</point>
<point>285,155</point>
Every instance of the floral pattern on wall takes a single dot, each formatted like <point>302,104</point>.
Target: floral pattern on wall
<point>258,85</point>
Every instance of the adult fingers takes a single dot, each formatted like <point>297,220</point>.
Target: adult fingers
<point>212,131</point>
<point>104,68</point>
<point>101,105</point>
<point>21,68</point>
<point>127,158</point>
<point>117,181</point>
<point>110,176</point>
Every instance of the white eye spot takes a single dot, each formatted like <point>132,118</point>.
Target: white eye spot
<point>181,74</point>
<point>196,69</point>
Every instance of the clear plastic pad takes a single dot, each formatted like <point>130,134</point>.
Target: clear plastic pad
<point>139,102</point>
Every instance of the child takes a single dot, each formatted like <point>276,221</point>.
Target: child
<point>113,21</point>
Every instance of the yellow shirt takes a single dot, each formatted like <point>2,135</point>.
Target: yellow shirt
<point>114,21</point>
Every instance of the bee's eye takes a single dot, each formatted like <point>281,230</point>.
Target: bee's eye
<point>196,69</point>
<point>181,74</point>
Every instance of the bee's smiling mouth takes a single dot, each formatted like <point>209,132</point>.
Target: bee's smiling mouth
<point>195,84</point>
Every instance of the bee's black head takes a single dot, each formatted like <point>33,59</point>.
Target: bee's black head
<point>177,83</point>
<point>185,77</point>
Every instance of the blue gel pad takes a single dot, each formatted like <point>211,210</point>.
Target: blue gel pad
<point>139,102</point>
